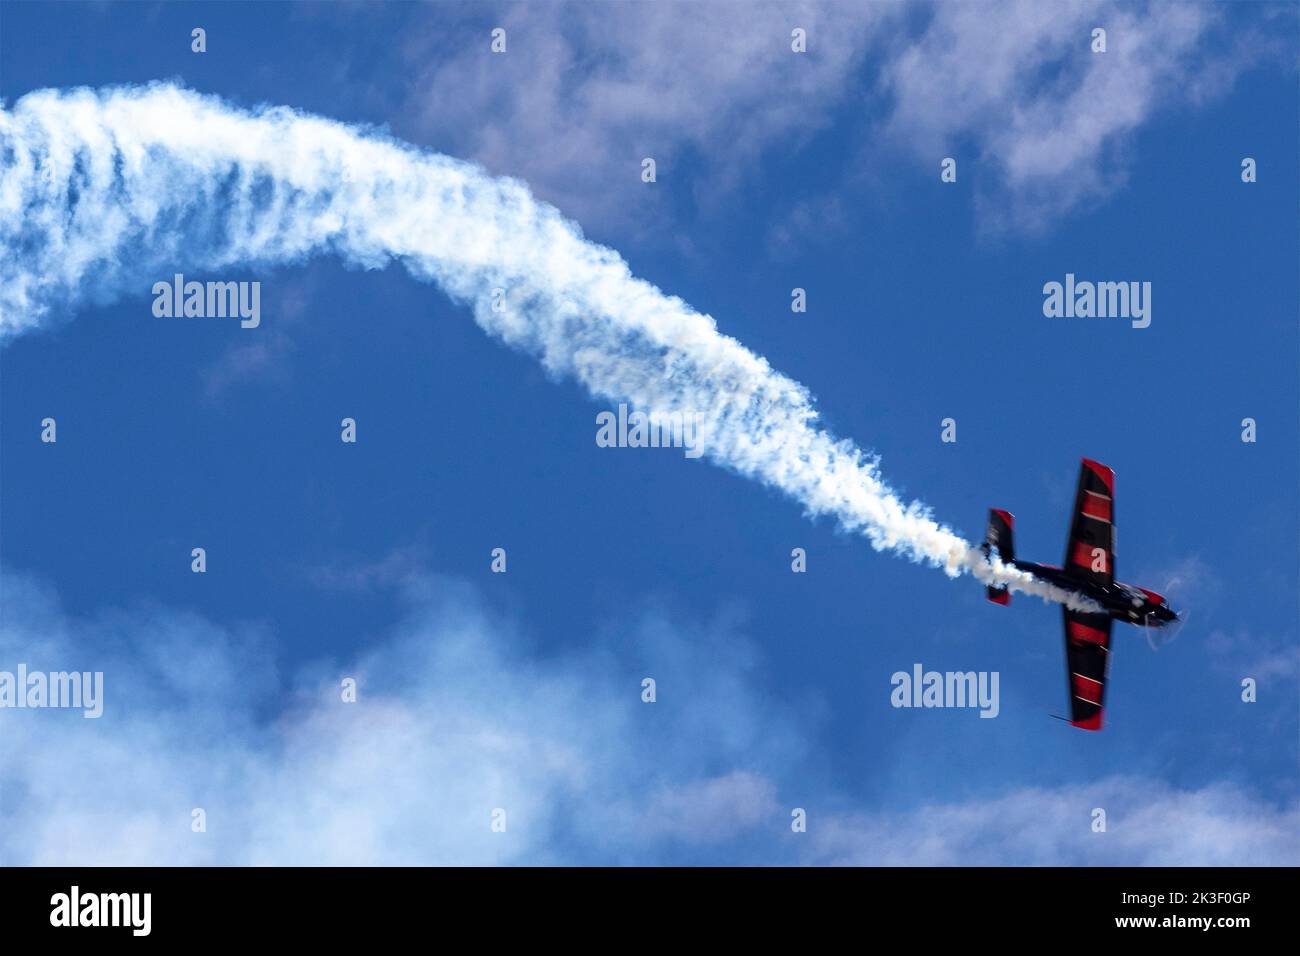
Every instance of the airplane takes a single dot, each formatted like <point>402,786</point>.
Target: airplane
<point>1090,572</point>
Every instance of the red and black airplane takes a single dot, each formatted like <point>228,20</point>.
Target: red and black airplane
<point>1090,572</point>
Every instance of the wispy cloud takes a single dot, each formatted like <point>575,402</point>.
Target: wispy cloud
<point>585,92</point>
<point>1015,86</point>
<point>453,720</point>
<point>266,359</point>
<point>1148,823</point>
<point>457,716</point>
<point>709,90</point>
<point>400,567</point>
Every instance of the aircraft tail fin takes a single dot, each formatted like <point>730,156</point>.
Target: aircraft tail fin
<point>1000,536</point>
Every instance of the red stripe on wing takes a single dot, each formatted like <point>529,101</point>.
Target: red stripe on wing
<point>1091,723</point>
<point>1096,507</point>
<point>1089,635</point>
<point>1083,557</point>
<point>1106,475</point>
<point>1085,689</point>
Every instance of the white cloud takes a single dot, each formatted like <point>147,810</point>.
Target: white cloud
<point>265,359</point>
<point>454,719</point>
<point>713,810</point>
<point>458,715</point>
<point>1015,86</point>
<point>1148,823</point>
<point>586,91</point>
<point>1011,88</point>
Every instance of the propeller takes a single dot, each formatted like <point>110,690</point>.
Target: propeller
<point>1158,637</point>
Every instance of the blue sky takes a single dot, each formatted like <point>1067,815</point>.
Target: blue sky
<point>522,690</point>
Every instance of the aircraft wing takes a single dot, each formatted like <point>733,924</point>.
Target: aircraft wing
<point>1090,554</point>
<point>1087,658</point>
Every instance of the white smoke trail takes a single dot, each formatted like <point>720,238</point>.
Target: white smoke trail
<point>104,192</point>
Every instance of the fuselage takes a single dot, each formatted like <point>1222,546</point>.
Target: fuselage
<point>1123,602</point>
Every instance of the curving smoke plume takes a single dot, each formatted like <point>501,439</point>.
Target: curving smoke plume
<point>101,192</point>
